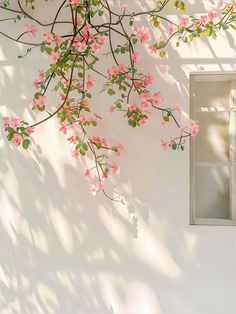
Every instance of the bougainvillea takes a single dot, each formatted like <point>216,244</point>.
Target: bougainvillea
<point>73,57</point>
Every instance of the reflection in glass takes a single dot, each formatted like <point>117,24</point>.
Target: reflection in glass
<point>212,143</point>
<point>212,192</point>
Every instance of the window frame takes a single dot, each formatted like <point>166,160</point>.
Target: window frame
<point>193,219</point>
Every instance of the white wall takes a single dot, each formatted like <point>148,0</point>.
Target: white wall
<point>63,251</point>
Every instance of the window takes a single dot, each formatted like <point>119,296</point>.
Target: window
<point>213,151</point>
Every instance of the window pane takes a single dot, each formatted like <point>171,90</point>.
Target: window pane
<point>212,192</point>
<point>211,96</point>
<point>212,144</point>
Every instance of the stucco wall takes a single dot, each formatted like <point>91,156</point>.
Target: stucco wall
<point>64,251</point>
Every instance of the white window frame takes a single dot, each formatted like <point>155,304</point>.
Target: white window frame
<point>209,221</point>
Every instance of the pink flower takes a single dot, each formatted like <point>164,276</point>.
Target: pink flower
<point>90,82</point>
<point>101,186</point>
<point>194,128</point>
<point>87,174</point>
<point>212,15</point>
<point>6,122</point>
<point>157,98</point>
<point>29,130</point>
<point>36,84</point>
<point>142,121</point>
<point>14,123</point>
<point>95,46</point>
<point>143,33</point>
<point>184,21</point>
<point>178,109</point>
<point>148,80</point>
<point>30,29</point>
<point>71,139</point>
<point>75,154</point>
<point>204,19</point>
<point>41,100</point>
<point>132,107</point>
<point>75,3</point>
<point>102,39</point>
<point>115,168</point>
<point>163,144</point>
<point>16,139</point>
<point>153,48</point>
<point>78,22</point>
<point>54,56</point>
<point>220,3</point>
<point>80,46</point>
<point>41,74</point>
<point>171,29</point>
<point>234,3</point>
<point>135,56</point>
<point>112,109</point>
<point>57,39</point>
<point>120,149</point>
<point>48,37</point>
<point>63,128</point>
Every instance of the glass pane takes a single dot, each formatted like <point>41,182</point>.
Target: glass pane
<point>212,143</point>
<point>211,96</point>
<point>212,192</point>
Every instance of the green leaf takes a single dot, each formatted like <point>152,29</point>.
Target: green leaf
<point>111,92</point>
<point>85,146</point>
<point>26,143</point>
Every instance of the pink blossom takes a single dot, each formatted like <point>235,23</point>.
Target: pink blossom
<point>142,121</point>
<point>212,15</point>
<point>132,107</point>
<point>171,29</point>
<point>194,128</point>
<point>148,80</point>
<point>120,148</point>
<point>36,84</point>
<point>63,128</point>
<point>76,154</point>
<point>48,37</point>
<point>220,3</point>
<point>95,46</point>
<point>99,140</point>
<point>135,56</point>
<point>115,70</point>
<point>29,130</point>
<point>143,33</point>
<point>78,22</point>
<point>112,109</point>
<point>6,122</point>
<point>115,168</point>
<point>71,139</point>
<point>41,74</point>
<point>75,3</point>
<point>157,98</point>
<point>163,144</point>
<point>30,29</point>
<point>178,109</point>
<point>14,123</point>
<point>54,56</point>
<point>204,19</point>
<point>153,48</point>
<point>16,139</point>
<point>102,39</point>
<point>58,39</point>
<point>101,186</point>
<point>90,82</point>
<point>80,45</point>
<point>234,3</point>
<point>87,174</point>
<point>184,21</point>
<point>41,100</point>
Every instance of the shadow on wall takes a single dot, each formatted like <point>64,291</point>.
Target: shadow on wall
<point>66,252</point>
